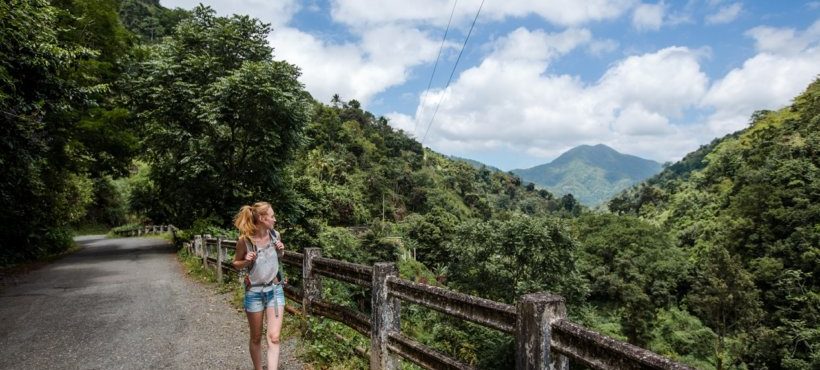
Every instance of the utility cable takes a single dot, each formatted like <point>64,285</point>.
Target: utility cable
<point>452,73</point>
<point>430,83</point>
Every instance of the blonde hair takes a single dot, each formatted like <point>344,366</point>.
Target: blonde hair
<point>247,217</point>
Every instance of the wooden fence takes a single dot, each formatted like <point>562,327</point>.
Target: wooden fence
<point>544,337</point>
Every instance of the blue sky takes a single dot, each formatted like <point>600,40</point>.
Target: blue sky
<point>653,79</point>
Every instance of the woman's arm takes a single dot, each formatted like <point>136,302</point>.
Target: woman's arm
<point>239,259</point>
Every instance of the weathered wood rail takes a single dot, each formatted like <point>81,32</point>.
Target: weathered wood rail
<point>544,337</point>
<point>147,229</point>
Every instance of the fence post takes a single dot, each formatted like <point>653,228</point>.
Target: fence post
<point>219,259</point>
<point>533,325</point>
<point>197,241</point>
<point>311,282</point>
<point>205,251</point>
<point>385,319</point>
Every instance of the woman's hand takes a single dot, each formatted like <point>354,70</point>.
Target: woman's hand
<point>250,256</point>
<point>279,245</point>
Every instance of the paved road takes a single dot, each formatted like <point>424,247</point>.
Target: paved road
<point>118,304</point>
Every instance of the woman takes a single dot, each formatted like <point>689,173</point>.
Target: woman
<point>259,249</point>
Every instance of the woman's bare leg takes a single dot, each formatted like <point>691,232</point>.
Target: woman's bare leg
<point>274,328</point>
<point>254,346</point>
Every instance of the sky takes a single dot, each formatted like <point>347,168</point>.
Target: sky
<point>536,78</point>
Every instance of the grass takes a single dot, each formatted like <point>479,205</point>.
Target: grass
<point>90,229</point>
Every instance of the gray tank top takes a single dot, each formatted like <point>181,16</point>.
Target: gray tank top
<point>267,263</point>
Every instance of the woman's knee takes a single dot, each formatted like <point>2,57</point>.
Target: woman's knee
<point>273,338</point>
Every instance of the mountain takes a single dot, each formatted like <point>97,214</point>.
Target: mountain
<point>474,163</point>
<point>592,174</point>
<point>747,208</point>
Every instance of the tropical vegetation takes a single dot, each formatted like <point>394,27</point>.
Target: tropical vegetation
<point>118,112</point>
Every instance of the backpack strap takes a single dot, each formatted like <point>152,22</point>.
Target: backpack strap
<point>280,274</point>
<point>252,247</point>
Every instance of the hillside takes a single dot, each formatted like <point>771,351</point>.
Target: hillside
<point>476,164</point>
<point>592,174</point>
<point>747,207</point>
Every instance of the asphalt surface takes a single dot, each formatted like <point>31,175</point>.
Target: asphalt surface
<point>120,304</point>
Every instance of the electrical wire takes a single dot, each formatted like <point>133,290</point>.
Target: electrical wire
<point>430,83</point>
<point>452,73</point>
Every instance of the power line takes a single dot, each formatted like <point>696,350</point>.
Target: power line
<point>430,83</point>
<point>452,73</point>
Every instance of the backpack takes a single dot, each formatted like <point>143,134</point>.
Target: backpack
<point>244,273</point>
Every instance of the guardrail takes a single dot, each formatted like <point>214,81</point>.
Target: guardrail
<point>544,337</point>
<point>147,229</point>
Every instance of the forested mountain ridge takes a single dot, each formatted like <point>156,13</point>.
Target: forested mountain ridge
<point>747,207</point>
<point>712,262</point>
<point>592,174</point>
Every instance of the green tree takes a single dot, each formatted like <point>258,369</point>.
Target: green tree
<point>633,267</point>
<point>502,260</point>
<point>724,296</point>
<point>222,119</point>
<point>40,191</point>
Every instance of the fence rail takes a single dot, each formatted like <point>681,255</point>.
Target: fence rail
<point>146,229</point>
<point>544,338</point>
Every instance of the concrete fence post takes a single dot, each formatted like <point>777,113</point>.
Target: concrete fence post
<point>536,313</point>
<point>219,258</point>
<point>311,281</point>
<point>205,251</point>
<point>386,318</point>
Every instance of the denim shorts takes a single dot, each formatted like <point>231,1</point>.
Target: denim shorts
<point>258,301</point>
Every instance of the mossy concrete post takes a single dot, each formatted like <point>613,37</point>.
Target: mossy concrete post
<point>205,251</point>
<point>219,258</point>
<point>311,281</point>
<point>386,318</point>
<point>536,313</point>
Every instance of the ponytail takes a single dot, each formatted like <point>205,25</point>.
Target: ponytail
<point>247,217</point>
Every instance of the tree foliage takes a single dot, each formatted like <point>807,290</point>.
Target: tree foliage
<point>746,207</point>
<point>221,118</point>
<point>42,190</point>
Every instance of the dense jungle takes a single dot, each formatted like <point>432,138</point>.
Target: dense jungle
<point>120,112</point>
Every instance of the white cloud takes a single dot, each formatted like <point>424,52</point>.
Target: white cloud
<point>635,120</point>
<point>511,101</point>
<point>278,13</point>
<point>522,44</point>
<point>766,81</point>
<point>600,47</point>
<point>666,81</point>
<point>784,40</point>
<point>361,13</point>
<point>725,14</point>
<point>648,16</point>
<point>382,59</point>
<point>785,64</point>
